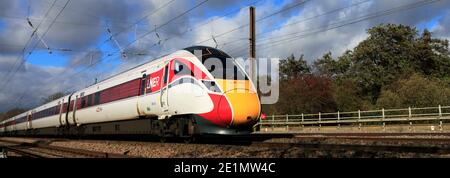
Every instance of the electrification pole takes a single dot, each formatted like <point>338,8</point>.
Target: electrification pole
<point>252,38</point>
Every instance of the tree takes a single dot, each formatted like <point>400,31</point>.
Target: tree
<point>53,97</point>
<point>304,94</point>
<point>11,113</point>
<point>389,52</point>
<point>377,72</point>
<point>292,67</point>
<point>383,56</point>
<point>326,65</point>
<point>415,91</point>
<point>433,56</point>
<point>301,91</point>
<point>348,96</point>
<point>333,68</point>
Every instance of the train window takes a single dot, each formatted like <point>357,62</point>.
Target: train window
<point>143,84</point>
<point>97,98</point>
<point>166,72</point>
<point>219,64</point>
<point>83,102</point>
<point>222,68</point>
<point>181,69</point>
<point>89,100</point>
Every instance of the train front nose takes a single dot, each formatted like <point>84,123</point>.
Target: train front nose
<point>244,102</point>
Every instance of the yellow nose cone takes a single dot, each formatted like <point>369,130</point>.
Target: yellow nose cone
<point>243,99</point>
<point>245,106</point>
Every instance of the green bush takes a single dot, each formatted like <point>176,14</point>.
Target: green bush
<point>415,91</point>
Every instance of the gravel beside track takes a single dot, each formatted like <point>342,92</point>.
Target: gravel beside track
<point>296,147</point>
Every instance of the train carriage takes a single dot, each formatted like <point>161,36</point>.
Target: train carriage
<point>181,94</point>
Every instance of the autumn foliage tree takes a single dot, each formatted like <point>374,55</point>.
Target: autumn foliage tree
<point>415,91</point>
<point>394,66</point>
<point>11,113</point>
<point>300,90</point>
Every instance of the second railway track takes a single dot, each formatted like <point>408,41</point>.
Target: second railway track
<point>309,145</point>
<point>40,150</point>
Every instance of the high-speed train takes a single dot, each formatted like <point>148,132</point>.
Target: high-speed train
<point>194,91</point>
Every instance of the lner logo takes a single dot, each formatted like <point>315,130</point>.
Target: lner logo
<point>154,82</point>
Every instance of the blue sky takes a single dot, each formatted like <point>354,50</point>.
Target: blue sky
<point>42,57</point>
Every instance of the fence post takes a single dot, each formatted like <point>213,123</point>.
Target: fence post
<point>382,119</point>
<point>287,124</point>
<point>320,120</point>
<point>303,119</point>
<point>439,118</point>
<point>359,115</point>
<point>359,118</point>
<point>339,120</point>
<point>409,112</point>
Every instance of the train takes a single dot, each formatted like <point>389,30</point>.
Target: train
<point>195,91</point>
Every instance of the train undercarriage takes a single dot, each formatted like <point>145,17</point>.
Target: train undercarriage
<point>182,127</point>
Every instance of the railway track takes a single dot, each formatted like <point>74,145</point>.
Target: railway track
<point>357,147</point>
<point>386,139</point>
<point>40,150</point>
<point>421,143</point>
<point>375,134</point>
<point>325,143</point>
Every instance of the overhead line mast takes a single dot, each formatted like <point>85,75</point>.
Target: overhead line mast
<point>252,45</point>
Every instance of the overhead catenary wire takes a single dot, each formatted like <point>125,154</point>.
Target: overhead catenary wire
<point>142,19</point>
<point>109,55</point>
<point>207,22</point>
<point>315,17</point>
<point>98,47</point>
<point>265,17</point>
<point>356,20</point>
<point>297,22</point>
<point>88,12</point>
<point>142,36</point>
<point>259,20</point>
<point>25,46</point>
<point>34,47</point>
<point>284,38</point>
<point>347,22</point>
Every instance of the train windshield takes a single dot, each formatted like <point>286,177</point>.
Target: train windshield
<point>218,63</point>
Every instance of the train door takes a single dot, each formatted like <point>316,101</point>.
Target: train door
<point>61,109</point>
<point>14,125</point>
<point>66,117</point>
<point>164,98</point>
<point>142,105</point>
<point>30,119</point>
<point>75,110</point>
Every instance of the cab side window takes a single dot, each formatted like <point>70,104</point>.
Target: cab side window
<point>166,72</point>
<point>180,68</point>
